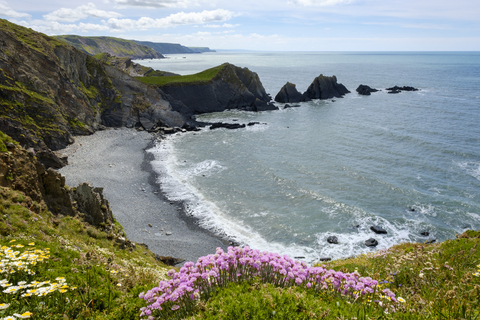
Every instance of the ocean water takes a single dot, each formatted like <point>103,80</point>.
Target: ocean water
<point>409,162</point>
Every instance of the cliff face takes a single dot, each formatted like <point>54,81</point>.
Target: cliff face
<point>231,88</point>
<point>172,48</point>
<point>114,46</point>
<point>21,171</point>
<point>50,91</point>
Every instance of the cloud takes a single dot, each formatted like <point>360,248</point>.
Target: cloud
<point>79,13</point>
<point>319,3</point>
<point>225,25</point>
<point>54,27</point>
<point>6,11</point>
<point>172,20</point>
<point>155,3</point>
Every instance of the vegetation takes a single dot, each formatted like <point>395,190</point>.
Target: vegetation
<point>115,46</point>
<point>62,268</point>
<point>203,77</point>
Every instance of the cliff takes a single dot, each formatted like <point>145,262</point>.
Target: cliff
<point>172,48</point>
<point>131,68</point>
<point>216,89</point>
<point>114,46</point>
<point>50,91</point>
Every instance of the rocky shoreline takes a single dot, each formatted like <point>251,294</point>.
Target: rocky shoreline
<point>117,160</point>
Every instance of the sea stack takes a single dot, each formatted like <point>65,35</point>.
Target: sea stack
<point>324,87</point>
<point>288,93</point>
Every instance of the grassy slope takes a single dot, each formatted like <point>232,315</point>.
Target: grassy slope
<point>102,280</point>
<point>198,78</point>
<point>96,45</point>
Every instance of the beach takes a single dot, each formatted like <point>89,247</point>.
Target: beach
<point>117,160</point>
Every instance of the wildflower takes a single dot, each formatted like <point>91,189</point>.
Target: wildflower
<point>31,244</point>
<point>23,315</point>
<point>9,318</point>
<point>401,299</point>
<point>4,306</point>
<point>119,284</point>
<point>421,275</point>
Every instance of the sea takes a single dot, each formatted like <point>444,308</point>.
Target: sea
<point>408,162</point>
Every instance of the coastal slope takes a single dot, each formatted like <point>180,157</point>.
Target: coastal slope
<point>114,46</point>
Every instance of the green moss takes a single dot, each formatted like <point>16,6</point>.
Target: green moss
<point>74,122</point>
<point>35,96</point>
<point>4,139</point>
<point>203,77</point>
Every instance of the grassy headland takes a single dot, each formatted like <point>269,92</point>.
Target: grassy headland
<point>203,77</point>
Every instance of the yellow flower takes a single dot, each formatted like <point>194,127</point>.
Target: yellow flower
<point>401,299</point>
<point>62,290</point>
<point>23,315</point>
<point>31,244</point>
<point>119,284</point>
<point>12,240</point>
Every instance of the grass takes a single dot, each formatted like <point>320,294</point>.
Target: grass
<point>62,268</point>
<point>203,77</point>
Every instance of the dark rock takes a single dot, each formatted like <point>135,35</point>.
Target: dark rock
<point>217,125</point>
<point>332,239</point>
<point>431,241</point>
<point>288,93</point>
<point>146,123</point>
<point>252,123</point>
<point>425,233</point>
<point>90,202</point>
<point>291,106</point>
<point>365,90</point>
<point>231,88</point>
<point>394,91</point>
<point>397,89</point>
<point>169,261</point>
<point>261,105</point>
<point>325,259</point>
<point>378,230</point>
<point>324,87</point>
<point>371,242</point>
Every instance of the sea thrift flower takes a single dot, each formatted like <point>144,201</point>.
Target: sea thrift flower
<point>244,264</point>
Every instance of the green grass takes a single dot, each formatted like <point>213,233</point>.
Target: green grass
<point>198,78</point>
<point>102,281</point>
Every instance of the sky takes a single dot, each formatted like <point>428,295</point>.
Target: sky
<point>263,25</point>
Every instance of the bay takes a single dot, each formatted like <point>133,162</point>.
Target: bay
<point>409,162</point>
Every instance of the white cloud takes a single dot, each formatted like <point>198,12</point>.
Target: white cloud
<point>225,25</point>
<point>155,3</point>
<point>172,20</point>
<point>54,27</point>
<point>6,11</point>
<point>319,3</point>
<point>79,13</point>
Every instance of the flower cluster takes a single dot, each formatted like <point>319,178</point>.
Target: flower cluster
<point>199,280</point>
<point>36,288</point>
<point>477,274</point>
<point>14,261</point>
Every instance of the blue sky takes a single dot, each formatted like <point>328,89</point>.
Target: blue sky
<point>282,25</point>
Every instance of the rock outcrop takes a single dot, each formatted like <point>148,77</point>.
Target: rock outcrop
<point>231,88</point>
<point>289,93</point>
<point>21,171</point>
<point>397,89</point>
<point>365,90</point>
<point>324,87</point>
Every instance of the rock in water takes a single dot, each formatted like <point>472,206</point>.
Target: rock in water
<point>324,87</point>
<point>288,93</point>
<point>371,242</point>
<point>378,230</point>
<point>425,233</point>
<point>332,239</point>
<point>365,90</point>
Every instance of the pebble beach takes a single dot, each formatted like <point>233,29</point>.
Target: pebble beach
<point>117,160</point>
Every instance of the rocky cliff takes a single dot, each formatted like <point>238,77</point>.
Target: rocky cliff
<point>230,88</point>
<point>50,91</point>
<point>172,48</point>
<point>21,171</point>
<point>114,46</point>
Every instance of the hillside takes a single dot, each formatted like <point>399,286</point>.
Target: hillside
<point>114,46</point>
<point>172,48</point>
<point>50,91</point>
